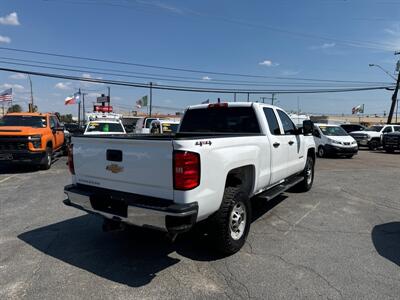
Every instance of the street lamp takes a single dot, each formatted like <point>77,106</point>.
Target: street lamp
<point>387,72</point>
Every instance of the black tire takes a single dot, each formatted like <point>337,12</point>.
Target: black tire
<point>46,160</point>
<point>229,239</point>
<point>389,150</point>
<point>373,144</point>
<point>349,155</point>
<point>321,151</point>
<point>308,174</point>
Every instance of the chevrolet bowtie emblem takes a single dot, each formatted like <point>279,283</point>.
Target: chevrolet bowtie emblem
<point>114,168</point>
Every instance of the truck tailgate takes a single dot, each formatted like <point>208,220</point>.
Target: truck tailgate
<point>139,166</point>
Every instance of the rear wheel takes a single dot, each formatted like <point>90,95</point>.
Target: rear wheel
<point>373,145</point>
<point>389,150</point>
<point>46,160</point>
<point>308,174</point>
<point>349,155</point>
<point>321,151</point>
<point>231,223</point>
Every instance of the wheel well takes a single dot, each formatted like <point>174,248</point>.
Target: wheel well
<point>49,144</point>
<point>243,176</point>
<point>311,152</point>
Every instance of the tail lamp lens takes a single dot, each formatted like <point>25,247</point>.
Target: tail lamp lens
<point>186,170</point>
<point>71,159</point>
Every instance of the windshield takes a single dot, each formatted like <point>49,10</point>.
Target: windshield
<point>148,121</point>
<point>374,128</point>
<point>28,121</point>
<point>104,127</point>
<point>333,131</point>
<point>169,128</point>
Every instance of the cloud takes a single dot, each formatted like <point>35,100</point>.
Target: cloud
<point>268,63</point>
<point>65,86</point>
<point>88,83</point>
<point>11,19</point>
<point>17,87</point>
<point>18,76</point>
<point>160,5</point>
<point>5,39</point>
<point>323,46</point>
<point>206,78</point>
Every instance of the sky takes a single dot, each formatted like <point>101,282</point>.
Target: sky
<point>289,39</point>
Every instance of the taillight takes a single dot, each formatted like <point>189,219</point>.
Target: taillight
<point>218,105</point>
<point>186,170</point>
<point>71,159</point>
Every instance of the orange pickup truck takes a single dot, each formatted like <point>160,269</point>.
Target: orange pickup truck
<point>30,138</point>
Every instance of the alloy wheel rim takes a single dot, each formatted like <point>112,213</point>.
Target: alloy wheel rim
<point>237,221</point>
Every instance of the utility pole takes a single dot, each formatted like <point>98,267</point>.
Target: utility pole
<point>394,97</point>
<point>83,108</point>
<point>109,95</point>
<point>79,110</point>
<point>248,97</point>
<point>234,97</point>
<point>31,108</point>
<point>263,99</point>
<point>272,98</point>
<point>151,97</point>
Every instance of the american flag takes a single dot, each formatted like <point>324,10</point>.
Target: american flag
<point>6,95</point>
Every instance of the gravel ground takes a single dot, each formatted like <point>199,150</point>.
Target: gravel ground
<point>340,240</point>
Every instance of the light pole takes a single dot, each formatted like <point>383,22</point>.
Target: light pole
<point>387,72</point>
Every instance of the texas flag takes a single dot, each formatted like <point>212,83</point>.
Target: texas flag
<point>75,99</point>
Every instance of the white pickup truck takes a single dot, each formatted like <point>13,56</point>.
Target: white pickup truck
<point>222,155</point>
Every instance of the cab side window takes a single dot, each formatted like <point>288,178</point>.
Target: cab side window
<point>288,126</point>
<point>387,129</point>
<point>272,121</point>
<point>396,128</point>
<point>53,124</point>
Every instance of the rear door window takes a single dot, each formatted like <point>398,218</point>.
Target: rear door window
<point>221,120</point>
<point>272,121</point>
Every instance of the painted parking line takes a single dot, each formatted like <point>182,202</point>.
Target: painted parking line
<point>5,179</point>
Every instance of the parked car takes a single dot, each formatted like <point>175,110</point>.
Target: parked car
<point>372,137</point>
<point>143,125</point>
<point>104,124</point>
<point>30,138</point>
<point>163,126</point>
<point>352,127</point>
<point>333,140</point>
<point>391,141</point>
<point>222,155</point>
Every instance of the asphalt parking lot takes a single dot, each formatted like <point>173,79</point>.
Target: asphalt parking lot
<point>340,240</point>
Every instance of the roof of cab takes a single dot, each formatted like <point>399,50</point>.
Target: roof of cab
<point>37,114</point>
<point>233,104</point>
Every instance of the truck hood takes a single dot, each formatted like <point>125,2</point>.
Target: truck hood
<point>20,131</point>
<point>370,133</point>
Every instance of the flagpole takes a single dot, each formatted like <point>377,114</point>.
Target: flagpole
<point>79,110</point>
<point>151,96</point>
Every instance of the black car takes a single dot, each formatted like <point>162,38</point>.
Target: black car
<point>391,141</point>
<point>352,127</point>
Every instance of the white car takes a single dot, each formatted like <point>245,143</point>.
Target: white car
<point>104,127</point>
<point>222,155</point>
<point>371,137</point>
<point>333,140</point>
<point>164,126</point>
<point>143,125</point>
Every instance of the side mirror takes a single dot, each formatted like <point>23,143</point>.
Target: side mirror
<point>308,127</point>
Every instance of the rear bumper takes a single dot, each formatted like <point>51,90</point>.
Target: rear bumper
<point>156,213</point>
<point>341,150</point>
<point>21,156</point>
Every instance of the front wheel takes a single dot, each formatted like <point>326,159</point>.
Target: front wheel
<point>232,221</point>
<point>46,161</point>
<point>349,156</point>
<point>321,151</point>
<point>373,145</point>
<point>308,174</point>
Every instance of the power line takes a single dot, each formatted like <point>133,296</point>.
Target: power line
<point>166,77</point>
<point>194,89</point>
<point>203,72</point>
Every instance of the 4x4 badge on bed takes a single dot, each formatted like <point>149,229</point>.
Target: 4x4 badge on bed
<point>201,143</point>
<point>114,168</point>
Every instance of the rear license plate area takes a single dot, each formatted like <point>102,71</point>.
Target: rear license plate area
<point>109,204</point>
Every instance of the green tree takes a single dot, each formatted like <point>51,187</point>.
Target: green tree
<point>66,118</point>
<point>14,108</point>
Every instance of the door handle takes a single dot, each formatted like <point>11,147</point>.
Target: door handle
<point>276,145</point>
<point>291,143</point>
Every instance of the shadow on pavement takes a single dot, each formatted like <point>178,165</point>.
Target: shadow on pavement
<point>17,169</point>
<point>133,256</point>
<point>386,239</point>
